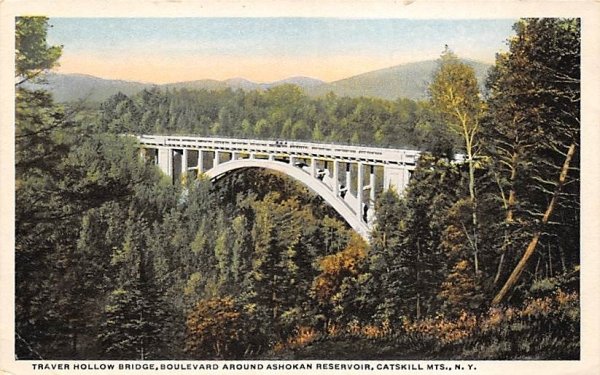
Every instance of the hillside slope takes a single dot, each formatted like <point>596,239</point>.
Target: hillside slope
<point>401,81</point>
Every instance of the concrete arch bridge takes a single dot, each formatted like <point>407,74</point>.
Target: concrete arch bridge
<point>349,178</point>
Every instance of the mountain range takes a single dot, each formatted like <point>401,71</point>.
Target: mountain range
<point>401,81</point>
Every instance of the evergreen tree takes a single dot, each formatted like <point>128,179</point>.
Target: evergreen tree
<point>418,266</point>
<point>533,136</point>
<point>33,56</point>
<point>132,326</point>
<point>386,239</point>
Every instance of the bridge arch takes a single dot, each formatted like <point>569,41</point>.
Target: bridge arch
<point>300,175</point>
<point>317,165</point>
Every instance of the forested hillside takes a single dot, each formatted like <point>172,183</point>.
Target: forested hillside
<point>478,259</point>
<point>402,81</point>
<point>407,81</point>
<point>283,112</point>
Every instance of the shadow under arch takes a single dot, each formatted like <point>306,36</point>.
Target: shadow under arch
<point>298,174</point>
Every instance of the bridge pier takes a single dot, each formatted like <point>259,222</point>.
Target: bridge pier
<point>348,176</point>
<point>359,191</point>
<point>200,161</point>
<point>336,181</point>
<point>165,160</point>
<point>372,184</point>
<point>184,161</point>
<point>395,177</point>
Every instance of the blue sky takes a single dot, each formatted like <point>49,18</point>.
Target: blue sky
<point>263,49</point>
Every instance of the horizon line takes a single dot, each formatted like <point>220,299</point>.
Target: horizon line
<point>55,71</point>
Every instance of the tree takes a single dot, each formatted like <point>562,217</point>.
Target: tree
<point>327,287</point>
<point>455,96</point>
<point>42,140</point>
<point>533,135</point>
<point>431,134</point>
<point>317,134</point>
<point>419,263</point>
<point>460,291</point>
<point>221,328</point>
<point>132,324</point>
<point>75,191</point>
<point>33,56</point>
<point>386,238</point>
<point>276,235</point>
<point>388,221</point>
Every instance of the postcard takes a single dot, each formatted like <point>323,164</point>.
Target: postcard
<point>285,187</point>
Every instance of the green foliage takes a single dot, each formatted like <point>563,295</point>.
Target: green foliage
<point>114,261</point>
<point>455,95</point>
<point>44,219</point>
<point>281,112</point>
<point>417,265</point>
<point>32,53</point>
<point>455,98</point>
<point>533,119</point>
<point>131,326</point>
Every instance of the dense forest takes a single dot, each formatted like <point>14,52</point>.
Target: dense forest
<point>477,259</point>
<point>282,112</point>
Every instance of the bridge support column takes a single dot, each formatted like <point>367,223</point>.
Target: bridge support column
<point>359,192</point>
<point>291,160</point>
<point>348,176</point>
<point>271,157</point>
<point>234,155</point>
<point>165,161</point>
<point>313,167</point>
<point>184,162</point>
<point>394,177</point>
<point>336,181</point>
<point>372,183</point>
<point>216,159</point>
<point>200,162</point>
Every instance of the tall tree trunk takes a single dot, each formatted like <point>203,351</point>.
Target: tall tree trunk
<point>474,216</point>
<point>536,237</point>
<point>475,242</point>
<point>509,205</point>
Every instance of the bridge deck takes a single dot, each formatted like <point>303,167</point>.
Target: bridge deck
<point>373,155</point>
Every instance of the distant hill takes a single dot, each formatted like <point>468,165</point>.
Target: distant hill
<point>71,87</point>
<point>401,81</point>
<point>306,83</point>
<point>207,84</point>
